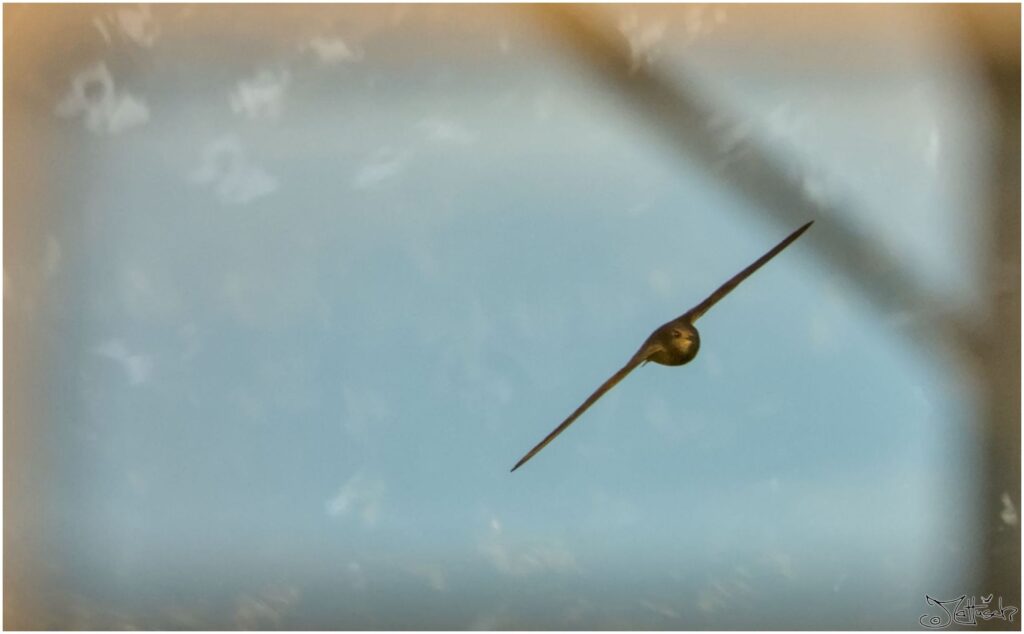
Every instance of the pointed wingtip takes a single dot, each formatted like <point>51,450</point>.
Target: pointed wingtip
<point>799,232</point>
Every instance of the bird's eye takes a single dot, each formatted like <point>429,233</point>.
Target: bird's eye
<point>677,334</point>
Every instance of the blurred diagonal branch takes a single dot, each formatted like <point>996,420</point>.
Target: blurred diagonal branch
<point>675,109</point>
<point>990,349</point>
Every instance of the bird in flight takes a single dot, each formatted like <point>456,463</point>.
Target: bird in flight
<point>674,343</point>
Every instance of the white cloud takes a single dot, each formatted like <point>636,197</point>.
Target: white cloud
<point>128,112</point>
<point>780,562</point>
<point>816,190</point>
<point>104,110</point>
<point>516,558</point>
<point>643,39</point>
<point>102,28</point>
<point>332,50</point>
<point>360,497</point>
<point>1009,512</point>
<point>432,574</point>
<point>139,25</point>
<point>138,367</point>
<point>647,33</point>
<point>384,164</point>
<point>262,96</point>
<point>659,608</point>
<point>840,580</point>
<point>236,180</point>
<point>446,131</point>
<point>265,610</point>
<point>696,20</point>
<point>728,589</point>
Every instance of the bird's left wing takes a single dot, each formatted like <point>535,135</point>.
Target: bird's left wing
<point>607,385</point>
<point>694,313</point>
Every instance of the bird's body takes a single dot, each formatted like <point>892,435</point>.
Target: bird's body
<point>673,343</point>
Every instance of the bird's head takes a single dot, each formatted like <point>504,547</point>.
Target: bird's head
<point>682,341</point>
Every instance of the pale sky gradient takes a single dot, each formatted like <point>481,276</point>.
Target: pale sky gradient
<point>316,282</point>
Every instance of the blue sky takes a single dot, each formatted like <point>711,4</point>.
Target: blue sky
<point>316,291</point>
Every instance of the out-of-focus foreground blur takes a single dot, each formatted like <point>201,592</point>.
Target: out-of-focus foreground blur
<point>288,289</point>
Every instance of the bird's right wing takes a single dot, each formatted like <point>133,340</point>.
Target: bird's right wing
<point>607,385</point>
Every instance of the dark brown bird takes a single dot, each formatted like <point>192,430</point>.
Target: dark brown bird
<point>674,343</point>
